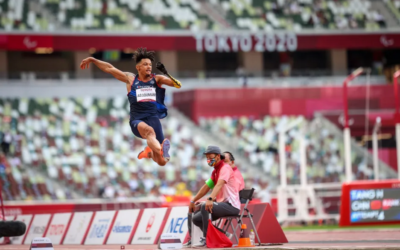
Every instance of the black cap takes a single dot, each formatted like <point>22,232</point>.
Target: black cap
<point>213,150</point>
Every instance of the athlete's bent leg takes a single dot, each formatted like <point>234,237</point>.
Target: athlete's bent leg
<point>148,134</point>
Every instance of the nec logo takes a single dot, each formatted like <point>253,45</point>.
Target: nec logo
<point>176,225</point>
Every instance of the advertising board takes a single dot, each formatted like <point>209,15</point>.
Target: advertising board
<point>149,226</point>
<point>123,227</point>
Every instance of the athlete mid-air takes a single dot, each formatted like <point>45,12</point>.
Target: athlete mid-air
<point>146,98</point>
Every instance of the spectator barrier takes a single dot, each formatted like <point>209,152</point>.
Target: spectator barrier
<point>126,226</point>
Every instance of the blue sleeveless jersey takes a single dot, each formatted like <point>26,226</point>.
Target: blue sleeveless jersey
<point>146,99</point>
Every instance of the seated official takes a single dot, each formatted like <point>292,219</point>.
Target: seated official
<point>224,198</point>
<point>230,160</point>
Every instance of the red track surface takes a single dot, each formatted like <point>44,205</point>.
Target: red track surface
<point>338,239</point>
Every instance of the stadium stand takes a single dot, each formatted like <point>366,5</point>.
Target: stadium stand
<point>258,140</point>
<point>53,132</point>
<point>21,183</point>
<point>302,14</point>
<point>50,134</point>
<point>112,15</point>
<point>394,6</point>
<point>158,15</point>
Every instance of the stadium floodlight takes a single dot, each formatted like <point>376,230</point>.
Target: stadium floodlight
<point>397,118</point>
<point>375,147</point>
<point>346,132</point>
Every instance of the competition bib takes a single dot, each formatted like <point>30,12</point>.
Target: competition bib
<point>146,94</point>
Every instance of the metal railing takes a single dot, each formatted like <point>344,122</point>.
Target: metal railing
<point>297,77</point>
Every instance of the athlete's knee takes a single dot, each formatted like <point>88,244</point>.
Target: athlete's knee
<point>148,132</point>
<point>162,163</point>
<point>198,221</point>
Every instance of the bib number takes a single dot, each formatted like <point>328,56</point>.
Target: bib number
<point>146,95</point>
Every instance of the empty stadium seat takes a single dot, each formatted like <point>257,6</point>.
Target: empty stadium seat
<point>122,15</point>
<point>158,15</point>
<point>87,144</point>
<point>258,140</point>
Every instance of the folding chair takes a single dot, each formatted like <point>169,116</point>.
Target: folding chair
<point>245,194</point>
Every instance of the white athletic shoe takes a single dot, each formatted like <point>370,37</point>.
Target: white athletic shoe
<point>187,244</point>
<point>202,242</point>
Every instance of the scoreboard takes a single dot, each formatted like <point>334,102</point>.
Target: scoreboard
<point>367,205</point>
<point>370,202</point>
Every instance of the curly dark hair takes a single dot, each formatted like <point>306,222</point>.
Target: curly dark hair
<point>142,53</point>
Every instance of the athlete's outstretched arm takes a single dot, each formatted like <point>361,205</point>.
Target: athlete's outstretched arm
<point>108,68</point>
<point>170,81</point>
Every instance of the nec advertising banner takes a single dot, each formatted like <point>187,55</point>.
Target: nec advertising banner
<point>149,226</point>
<point>122,229</point>
<point>38,227</point>
<point>77,229</point>
<point>26,218</point>
<point>99,228</point>
<point>58,227</point>
<point>177,222</point>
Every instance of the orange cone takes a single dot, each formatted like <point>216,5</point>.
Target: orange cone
<point>244,240</point>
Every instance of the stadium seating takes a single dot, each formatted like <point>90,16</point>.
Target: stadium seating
<point>296,15</point>
<point>394,6</point>
<point>115,15</point>
<point>21,183</point>
<point>258,140</point>
<point>88,144</point>
<point>157,15</point>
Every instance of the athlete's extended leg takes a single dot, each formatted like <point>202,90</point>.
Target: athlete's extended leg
<point>148,134</point>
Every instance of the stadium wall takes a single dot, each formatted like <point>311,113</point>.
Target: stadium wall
<point>258,102</point>
<point>210,42</point>
<point>123,226</point>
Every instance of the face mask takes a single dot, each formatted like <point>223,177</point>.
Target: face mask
<point>211,162</point>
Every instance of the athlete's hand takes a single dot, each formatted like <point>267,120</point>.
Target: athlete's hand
<point>161,68</point>
<point>209,206</point>
<point>85,62</point>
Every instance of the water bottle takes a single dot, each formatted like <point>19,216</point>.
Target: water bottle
<point>252,237</point>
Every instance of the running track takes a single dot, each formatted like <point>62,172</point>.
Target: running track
<point>338,239</point>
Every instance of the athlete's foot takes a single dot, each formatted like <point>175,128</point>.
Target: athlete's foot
<point>165,146</point>
<point>146,153</point>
